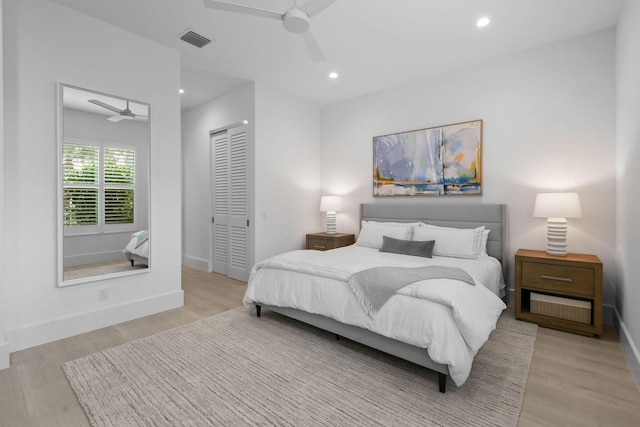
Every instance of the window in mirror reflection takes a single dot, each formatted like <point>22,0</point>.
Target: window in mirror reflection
<point>93,173</point>
<point>104,151</point>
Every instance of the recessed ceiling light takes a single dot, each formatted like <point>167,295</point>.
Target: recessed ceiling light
<point>181,91</point>
<point>333,75</point>
<point>483,22</point>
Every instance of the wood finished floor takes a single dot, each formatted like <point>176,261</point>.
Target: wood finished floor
<point>574,380</point>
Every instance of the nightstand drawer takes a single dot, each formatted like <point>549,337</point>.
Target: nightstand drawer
<point>320,244</point>
<point>324,241</point>
<point>558,278</point>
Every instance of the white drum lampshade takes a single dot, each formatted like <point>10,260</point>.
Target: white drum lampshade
<point>557,207</point>
<point>331,205</point>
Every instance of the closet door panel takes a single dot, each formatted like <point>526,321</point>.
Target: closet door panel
<point>220,203</point>
<point>238,267</point>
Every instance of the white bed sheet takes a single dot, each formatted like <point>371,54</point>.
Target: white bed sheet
<point>417,314</point>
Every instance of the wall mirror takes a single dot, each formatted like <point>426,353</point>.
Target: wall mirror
<point>104,144</point>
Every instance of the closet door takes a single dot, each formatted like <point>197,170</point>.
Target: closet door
<point>230,199</point>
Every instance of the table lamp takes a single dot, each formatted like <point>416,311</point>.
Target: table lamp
<point>330,205</point>
<point>557,207</point>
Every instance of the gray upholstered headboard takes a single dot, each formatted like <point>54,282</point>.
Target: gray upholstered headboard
<point>493,217</point>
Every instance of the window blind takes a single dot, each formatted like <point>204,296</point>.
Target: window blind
<point>81,170</point>
<point>119,166</point>
<point>118,206</point>
<point>80,206</point>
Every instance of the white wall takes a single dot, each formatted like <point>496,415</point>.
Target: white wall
<point>4,344</point>
<point>222,112</point>
<point>628,196</point>
<point>549,124</point>
<point>287,172</point>
<point>45,43</point>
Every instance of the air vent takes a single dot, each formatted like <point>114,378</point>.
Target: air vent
<point>195,39</point>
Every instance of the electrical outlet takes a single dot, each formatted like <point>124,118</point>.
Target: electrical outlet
<point>104,294</point>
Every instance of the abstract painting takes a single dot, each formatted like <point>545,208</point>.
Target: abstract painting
<point>436,161</point>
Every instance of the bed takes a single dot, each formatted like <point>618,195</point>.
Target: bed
<point>137,249</point>
<point>318,288</point>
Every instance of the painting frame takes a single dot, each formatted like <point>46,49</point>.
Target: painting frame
<point>435,161</point>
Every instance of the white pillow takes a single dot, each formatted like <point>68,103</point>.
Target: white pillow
<point>483,245</point>
<point>451,242</point>
<point>372,231</point>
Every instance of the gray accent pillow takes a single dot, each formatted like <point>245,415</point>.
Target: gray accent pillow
<point>407,247</point>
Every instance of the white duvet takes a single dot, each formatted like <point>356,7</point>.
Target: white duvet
<point>451,319</point>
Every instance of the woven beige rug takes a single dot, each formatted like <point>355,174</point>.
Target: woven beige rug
<point>233,369</point>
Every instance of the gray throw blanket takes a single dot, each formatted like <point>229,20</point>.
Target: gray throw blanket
<point>373,287</point>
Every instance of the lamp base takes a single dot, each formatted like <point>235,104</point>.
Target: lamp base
<point>557,236</point>
<point>331,223</point>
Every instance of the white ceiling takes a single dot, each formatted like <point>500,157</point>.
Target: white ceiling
<point>372,44</point>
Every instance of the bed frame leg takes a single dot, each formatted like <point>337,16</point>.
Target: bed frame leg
<point>442,382</point>
<point>131,263</point>
<point>258,310</point>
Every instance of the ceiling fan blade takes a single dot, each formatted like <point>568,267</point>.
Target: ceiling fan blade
<point>314,7</point>
<point>314,47</point>
<point>229,7</point>
<point>104,105</point>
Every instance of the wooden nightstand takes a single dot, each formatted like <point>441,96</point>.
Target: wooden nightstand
<point>324,241</point>
<point>559,292</point>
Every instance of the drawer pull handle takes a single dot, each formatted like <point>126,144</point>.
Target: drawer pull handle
<point>319,247</point>
<point>562,279</point>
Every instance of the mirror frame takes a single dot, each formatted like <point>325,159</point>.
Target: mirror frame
<point>60,187</point>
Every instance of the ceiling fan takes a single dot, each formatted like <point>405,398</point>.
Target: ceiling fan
<point>295,20</point>
<point>125,114</point>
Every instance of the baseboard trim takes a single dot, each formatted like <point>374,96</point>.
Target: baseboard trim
<point>64,327</point>
<point>198,264</point>
<point>629,348</point>
<point>4,355</point>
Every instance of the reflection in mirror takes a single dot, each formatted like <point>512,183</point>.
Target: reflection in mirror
<point>104,149</point>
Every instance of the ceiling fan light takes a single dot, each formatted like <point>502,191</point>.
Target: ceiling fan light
<point>295,21</point>
<point>119,117</point>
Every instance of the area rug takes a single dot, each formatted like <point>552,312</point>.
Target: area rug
<point>234,369</point>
